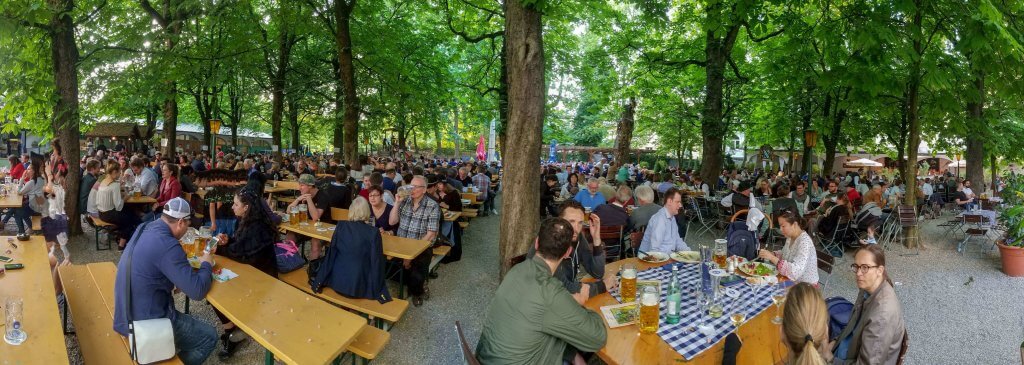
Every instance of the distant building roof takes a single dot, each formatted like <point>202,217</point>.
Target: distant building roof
<point>113,129</point>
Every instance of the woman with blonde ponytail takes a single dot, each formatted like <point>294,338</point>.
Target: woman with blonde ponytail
<point>805,325</point>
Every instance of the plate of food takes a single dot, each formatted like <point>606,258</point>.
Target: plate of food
<point>758,269</point>
<point>689,257</point>
<point>762,280</point>
<point>653,257</point>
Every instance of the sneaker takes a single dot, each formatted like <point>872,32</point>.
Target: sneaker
<point>869,241</point>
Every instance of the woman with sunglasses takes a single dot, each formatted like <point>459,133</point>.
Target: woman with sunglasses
<point>252,243</point>
<point>875,332</point>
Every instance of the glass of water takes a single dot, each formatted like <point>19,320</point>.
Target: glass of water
<point>14,311</point>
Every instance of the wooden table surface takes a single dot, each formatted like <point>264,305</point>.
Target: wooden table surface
<point>140,200</point>
<point>394,246</point>
<point>41,315</point>
<point>11,201</point>
<point>762,343</point>
<point>274,190</point>
<point>452,216</point>
<point>296,327</point>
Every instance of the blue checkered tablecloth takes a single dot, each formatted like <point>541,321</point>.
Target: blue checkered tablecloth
<point>682,336</point>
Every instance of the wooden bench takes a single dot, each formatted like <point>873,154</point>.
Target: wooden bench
<point>369,343</point>
<point>470,212</point>
<point>98,225</point>
<point>89,292</point>
<point>339,214</point>
<point>439,253</point>
<point>463,224</point>
<point>389,312</point>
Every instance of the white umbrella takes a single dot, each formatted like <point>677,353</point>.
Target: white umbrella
<point>961,163</point>
<point>863,163</point>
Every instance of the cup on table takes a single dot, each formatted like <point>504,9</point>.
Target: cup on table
<point>627,283</point>
<point>14,309</point>
<point>721,252</point>
<point>649,316</point>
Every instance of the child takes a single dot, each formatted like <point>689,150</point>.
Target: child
<point>55,219</point>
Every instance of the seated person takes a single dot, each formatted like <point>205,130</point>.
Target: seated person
<point>355,266</point>
<point>662,233</point>
<point>590,197</point>
<point>585,257</point>
<point>798,259</point>
<point>785,204</point>
<point>645,209</point>
<point>532,319</point>
<point>874,334</point>
<point>961,198</point>
<point>805,325</point>
<point>614,213</point>
<point>833,215</point>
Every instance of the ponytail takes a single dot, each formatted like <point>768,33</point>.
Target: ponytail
<point>809,354</point>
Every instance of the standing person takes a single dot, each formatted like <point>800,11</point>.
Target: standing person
<point>55,219</point>
<point>417,218</point>
<point>483,185</point>
<point>798,260</point>
<point>252,244</point>
<point>805,325</point>
<point>532,319</point>
<point>874,334</point>
<point>157,266</point>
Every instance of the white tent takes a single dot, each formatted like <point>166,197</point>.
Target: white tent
<point>958,164</point>
<point>863,163</point>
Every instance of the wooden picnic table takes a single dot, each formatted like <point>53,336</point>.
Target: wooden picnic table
<point>451,216</point>
<point>276,189</point>
<point>296,327</point>
<point>139,200</point>
<point>394,246</point>
<point>762,343</point>
<point>41,316</point>
<point>11,201</point>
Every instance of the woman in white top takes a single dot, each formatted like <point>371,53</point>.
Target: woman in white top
<point>109,203</point>
<point>55,219</point>
<point>31,189</point>
<point>798,260</point>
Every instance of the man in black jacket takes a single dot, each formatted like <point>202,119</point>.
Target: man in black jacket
<point>548,189</point>
<point>584,256</point>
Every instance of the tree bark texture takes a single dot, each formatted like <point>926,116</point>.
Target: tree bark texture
<point>624,137</point>
<point>526,103</point>
<point>171,18</point>
<point>913,101</point>
<point>975,154</point>
<point>343,40</point>
<point>278,81</point>
<point>717,50</point>
<point>293,119</point>
<point>65,121</point>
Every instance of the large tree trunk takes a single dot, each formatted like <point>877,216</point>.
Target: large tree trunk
<point>278,80</point>
<point>171,18</point>
<point>338,140</point>
<point>457,138</point>
<point>343,40</point>
<point>624,137</point>
<point>976,127</point>
<point>65,121</point>
<point>293,119</point>
<point>526,103</point>
<point>913,119</point>
<point>717,51</point>
<point>503,108</point>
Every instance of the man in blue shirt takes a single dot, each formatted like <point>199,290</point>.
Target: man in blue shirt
<point>158,265</point>
<point>590,198</point>
<point>662,233</point>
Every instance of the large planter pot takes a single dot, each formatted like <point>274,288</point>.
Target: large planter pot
<point>1013,259</point>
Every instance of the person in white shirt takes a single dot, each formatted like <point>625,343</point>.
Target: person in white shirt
<point>109,204</point>
<point>967,189</point>
<point>927,188</point>
<point>798,259</point>
<point>55,219</point>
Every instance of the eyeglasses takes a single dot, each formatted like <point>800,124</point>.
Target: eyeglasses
<point>419,186</point>
<point>375,195</point>
<point>862,268</point>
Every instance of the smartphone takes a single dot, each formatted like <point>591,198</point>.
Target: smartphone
<point>13,266</point>
<point>6,259</point>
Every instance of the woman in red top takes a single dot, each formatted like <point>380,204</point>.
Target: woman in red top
<point>170,187</point>
<point>17,168</point>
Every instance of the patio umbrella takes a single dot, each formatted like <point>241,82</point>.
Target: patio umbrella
<point>863,163</point>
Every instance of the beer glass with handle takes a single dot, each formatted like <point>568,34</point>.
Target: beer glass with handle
<point>649,315</point>
<point>627,283</point>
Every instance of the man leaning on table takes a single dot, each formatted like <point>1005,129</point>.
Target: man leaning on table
<point>532,318</point>
<point>158,266</point>
<point>662,233</point>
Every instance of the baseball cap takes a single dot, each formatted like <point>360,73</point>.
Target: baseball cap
<point>745,185</point>
<point>307,179</point>
<point>177,208</point>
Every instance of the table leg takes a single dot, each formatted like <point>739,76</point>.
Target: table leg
<point>186,304</point>
<point>401,282</point>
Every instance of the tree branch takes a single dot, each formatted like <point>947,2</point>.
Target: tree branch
<point>736,70</point>
<point>91,14</point>
<point>26,23</point>
<point>466,37</point>
<point>761,39</point>
<point>160,19</point>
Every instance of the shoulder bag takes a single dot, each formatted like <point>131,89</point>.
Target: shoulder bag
<point>151,340</point>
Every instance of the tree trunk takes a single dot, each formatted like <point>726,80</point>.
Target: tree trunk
<point>234,112</point>
<point>457,138</point>
<point>503,85</point>
<point>994,172</point>
<point>806,115</point>
<point>913,119</point>
<point>716,50</point>
<point>343,40</point>
<point>831,139</point>
<point>65,121</point>
<point>624,137</point>
<point>278,80</point>
<point>152,112</point>
<point>293,119</point>
<point>339,110</point>
<point>526,95</point>
<point>975,154</point>
<point>171,18</point>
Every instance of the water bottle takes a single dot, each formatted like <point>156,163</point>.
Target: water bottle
<point>674,297</point>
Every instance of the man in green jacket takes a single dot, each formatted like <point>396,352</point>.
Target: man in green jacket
<point>533,319</point>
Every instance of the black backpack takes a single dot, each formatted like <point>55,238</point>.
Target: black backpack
<point>741,242</point>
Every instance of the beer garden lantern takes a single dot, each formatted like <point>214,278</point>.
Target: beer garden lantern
<point>214,130</point>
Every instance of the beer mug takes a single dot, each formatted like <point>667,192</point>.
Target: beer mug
<point>293,215</point>
<point>303,214</point>
<point>14,311</point>
<point>649,315</point>
<point>627,283</point>
<point>721,252</point>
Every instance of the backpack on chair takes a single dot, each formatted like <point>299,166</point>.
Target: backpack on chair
<point>839,311</point>
<point>741,242</point>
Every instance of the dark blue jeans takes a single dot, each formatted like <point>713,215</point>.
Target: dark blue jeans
<point>22,216</point>
<point>194,339</point>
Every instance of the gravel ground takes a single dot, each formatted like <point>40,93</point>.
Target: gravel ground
<point>947,299</point>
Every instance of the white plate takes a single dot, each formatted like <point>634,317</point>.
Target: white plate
<point>653,257</point>
<point>732,293</point>
<point>689,257</point>
<point>748,268</point>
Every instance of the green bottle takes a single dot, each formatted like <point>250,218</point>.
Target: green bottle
<point>674,297</point>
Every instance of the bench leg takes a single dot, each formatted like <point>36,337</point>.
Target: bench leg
<point>187,301</point>
<point>64,308</point>
<point>401,283</point>
<point>268,358</point>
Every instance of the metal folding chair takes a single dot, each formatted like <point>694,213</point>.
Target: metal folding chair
<point>976,226</point>
<point>908,223</point>
<point>826,262</point>
<point>833,243</point>
<point>706,224</point>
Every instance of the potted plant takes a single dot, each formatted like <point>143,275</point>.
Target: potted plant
<point>1011,246</point>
